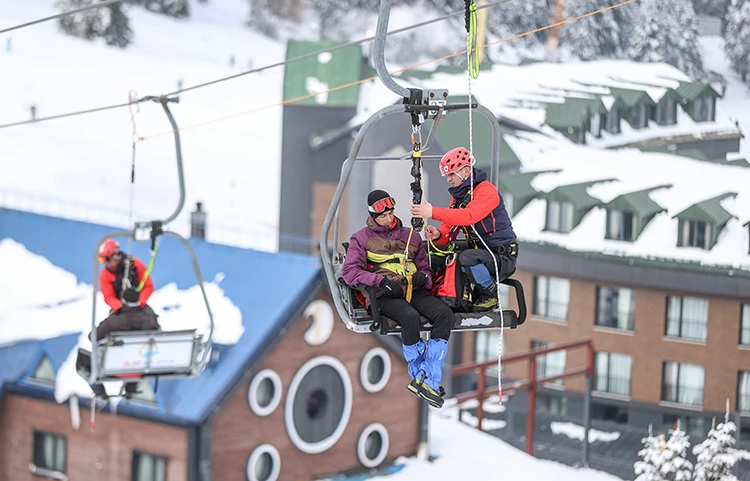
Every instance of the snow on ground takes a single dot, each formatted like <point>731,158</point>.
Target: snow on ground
<point>463,452</point>
<point>42,301</point>
<point>575,431</point>
<point>233,166</point>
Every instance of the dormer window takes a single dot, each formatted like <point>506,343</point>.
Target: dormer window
<point>44,372</point>
<point>666,112</point>
<point>613,121</point>
<point>596,125</point>
<point>703,109</point>
<point>620,225</point>
<point>694,234</point>
<point>559,216</point>
<point>640,116</point>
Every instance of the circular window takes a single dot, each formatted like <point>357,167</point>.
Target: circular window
<point>264,393</point>
<point>372,446</point>
<point>318,404</point>
<point>264,464</point>
<point>375,370</point>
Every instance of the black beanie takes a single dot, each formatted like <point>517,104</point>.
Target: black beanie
<point>375,196</point>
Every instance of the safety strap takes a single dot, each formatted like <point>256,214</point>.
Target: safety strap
<point>407,269</point>
<point>416,166</point>
<point>471,30</point>
<point>150,266</point>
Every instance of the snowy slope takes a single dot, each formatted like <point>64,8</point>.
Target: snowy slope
<point>233,166</point>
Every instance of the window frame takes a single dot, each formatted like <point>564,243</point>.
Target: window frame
<point>621,218</point>
<point>136,456</point>
<point>677,385</point>
<point>681,320</point>
<point>559,211</point>
<point>41,468</point>
<point>608,375</point>
<point>613,126</point>
<point>547,299</point>
<point>630,321</point>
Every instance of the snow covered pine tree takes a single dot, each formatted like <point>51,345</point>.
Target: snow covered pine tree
<point>737,38</point>
<point>596,36</point>
<point>676,467</point>
<point>666,31</point>
<point>717,455</point>
<point>649,467</point>
<point>109,22</point>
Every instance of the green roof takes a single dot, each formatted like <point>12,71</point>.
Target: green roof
<point>519,186</point>
<point>709,210</point>
<point>738,162</point>
<point>453,131</point>
<point>322,72</point>
<point>576,194</point>
<point>689,91</point>
<point>631,97</point>
<point>695,154</point>
<point>574,112</point>
<point>638,202</point>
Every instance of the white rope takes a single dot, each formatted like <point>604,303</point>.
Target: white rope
<point>494,257</point>
<point>133,98</point>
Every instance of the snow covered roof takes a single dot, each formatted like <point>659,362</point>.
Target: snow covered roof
<point>47,307</point>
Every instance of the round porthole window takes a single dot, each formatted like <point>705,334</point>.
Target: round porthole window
<point>318,404</point>
<point>375,370</point>
<point>264,393</point>
<point>264,464</point>
<point>372,446</point>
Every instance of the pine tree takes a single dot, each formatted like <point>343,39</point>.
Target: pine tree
<point>666,31</point>
<point>595,36</point>
<point>711,8</point>
<point>518,16</point>
<point>117,31</point>
<point>649,467</point>
<point>716,454</point>
<point>172,8</point>
<point>737,38</point>
<point>86,24</point>
<point>676,467</point>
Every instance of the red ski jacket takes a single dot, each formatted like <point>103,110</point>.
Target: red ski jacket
<point>110,283</point>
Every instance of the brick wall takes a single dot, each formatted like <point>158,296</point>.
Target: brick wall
<point>105,454</point>
<point>238,431</point>
<point>647,344</point>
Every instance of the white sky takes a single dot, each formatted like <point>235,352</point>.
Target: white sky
<point>41,301</point>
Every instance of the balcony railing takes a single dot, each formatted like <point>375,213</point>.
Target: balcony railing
<point>684,329</point>
<point>551,310</point>
<point>623,320</point>
<point>675,393</point>
<point>612,384</point>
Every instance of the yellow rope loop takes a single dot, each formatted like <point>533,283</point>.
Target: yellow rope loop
<point>472,47</point>
<point>407,271</point>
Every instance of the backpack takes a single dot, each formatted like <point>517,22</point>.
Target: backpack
<point>450,284</point>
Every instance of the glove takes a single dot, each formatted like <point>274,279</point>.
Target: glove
<point>392,288</point>
<point>419,280</point>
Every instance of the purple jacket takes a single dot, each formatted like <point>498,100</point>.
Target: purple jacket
<point>382,240</point>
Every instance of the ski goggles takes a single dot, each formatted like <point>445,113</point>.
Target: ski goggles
<point>379,207</point>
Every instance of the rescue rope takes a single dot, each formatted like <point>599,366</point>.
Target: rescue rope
<point>470,39</point>
<point>134,107</point>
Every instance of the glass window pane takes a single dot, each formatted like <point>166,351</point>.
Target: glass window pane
<point>743,392</point>
<point>674,304</point>
<point>625,308</point>
<point>602,371</point>
<point>566,222</point>
<point>613,227</point>
<point>540,294</point>
<point>553,215</point>
<point>694,318</point>
<point>745,325</point>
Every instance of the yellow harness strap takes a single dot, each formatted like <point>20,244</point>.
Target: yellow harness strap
<point>407,269</point>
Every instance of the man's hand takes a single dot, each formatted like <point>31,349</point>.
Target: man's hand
<point>422,210</point>
<point>431,233</point>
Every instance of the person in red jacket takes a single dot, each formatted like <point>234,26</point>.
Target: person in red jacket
<point>111,277</point>
<point>476,209</point>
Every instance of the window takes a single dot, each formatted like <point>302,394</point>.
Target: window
<point>487,344</point>
<point>745,325</point>
<point>596,125</point>
<point>551,297</point>
<point>50,451</point>
<point>620,225</point>
<point>743,391</point>
<point>612,373</point>
<point>606,412</point>
<point>616,308</point>
<point>613,121</point>
<point>44,372</point>
<point>509,202</point>
<point>559,216</point>
<point>640,116</point>
<point>687,317</point>
<point>703,109</point>
<point>666,112</point>
<point>694,234</point>
<point>264,464</point>
<point>556,405</point>
<point>551,364</point>
<point>693,426</point>
<point>683,383</point>
<point>375,369</point>
<point>264,393</point>
<point>582,134</point>
<point>148,467</point>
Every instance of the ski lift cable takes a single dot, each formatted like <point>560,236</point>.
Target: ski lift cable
<point>394,72</point>
<point>60,15</point>
<point>252,71</point>
<point>297,99</point>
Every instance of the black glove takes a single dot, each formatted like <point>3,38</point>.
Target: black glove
<point>392,288</point>
<point>419,280</point>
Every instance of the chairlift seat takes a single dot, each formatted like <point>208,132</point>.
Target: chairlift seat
<point>142,354</point>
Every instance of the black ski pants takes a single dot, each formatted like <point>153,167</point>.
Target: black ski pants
<point>407,315</point>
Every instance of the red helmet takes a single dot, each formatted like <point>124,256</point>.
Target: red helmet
<point>455,160</point>
<point>108,248</point>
